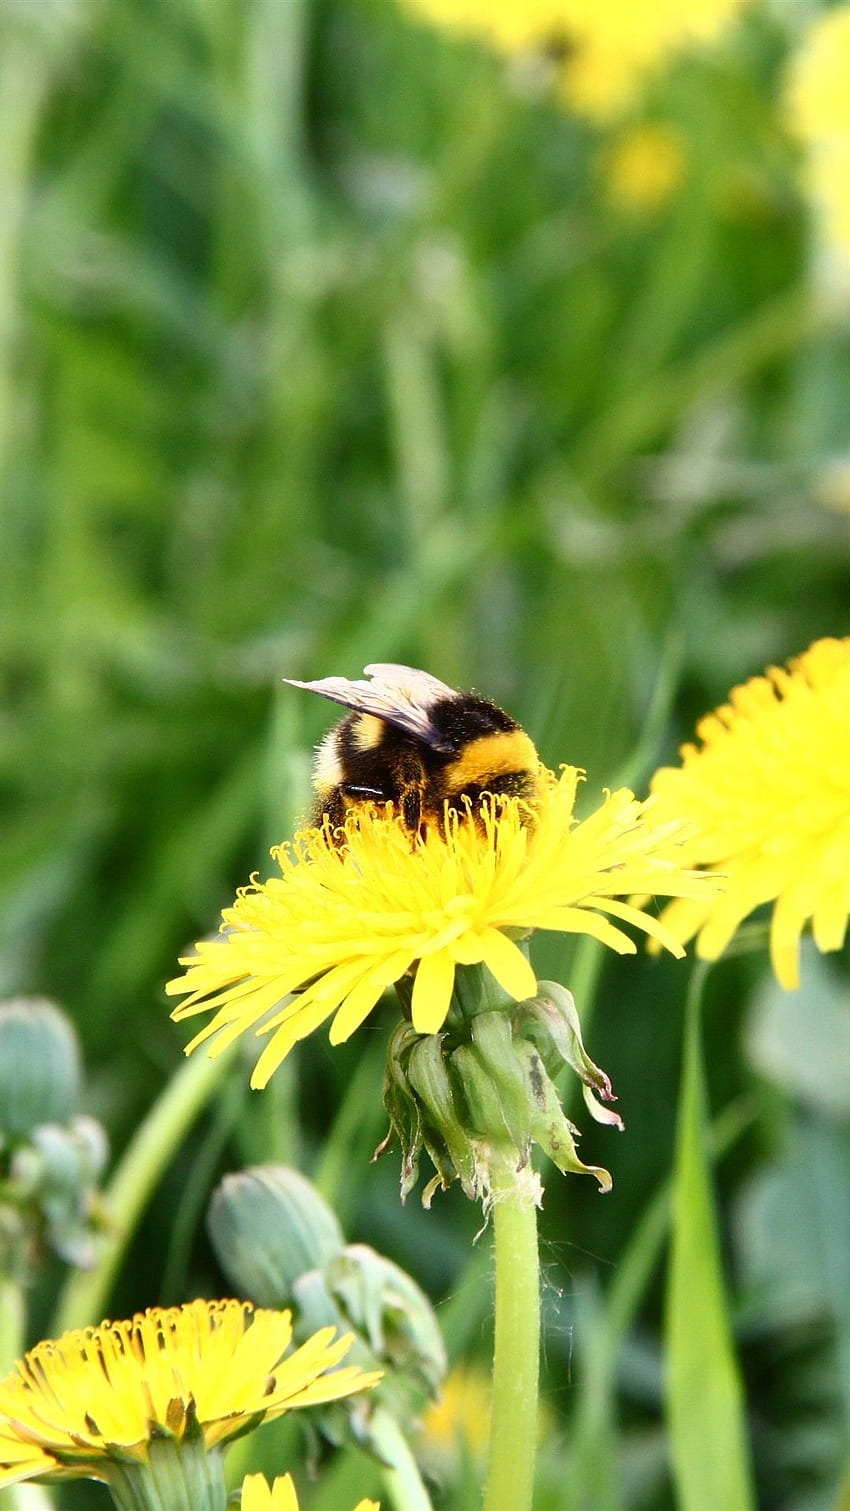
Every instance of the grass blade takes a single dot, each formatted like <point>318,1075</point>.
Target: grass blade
<point>705,1413</point>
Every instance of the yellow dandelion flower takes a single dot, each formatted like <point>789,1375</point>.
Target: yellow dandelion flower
<point>258,1495</point>
<point>768,792</point>
<point>343,923</point>
<point>817,87</point>
<point>458,1422</point>
<point>613,48</point>
<point>831,486</point>
<point>603,53</point>
<point>645,166</point>
<point>93,1402</point>
<point>504,25</point>
<point>460,1415</point>
<point>819,113</point>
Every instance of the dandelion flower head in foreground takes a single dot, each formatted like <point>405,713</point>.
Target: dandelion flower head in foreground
<point>344,921</point>
<point>259,1495</point>
<point>93,1401</point>
<point>768,792</point>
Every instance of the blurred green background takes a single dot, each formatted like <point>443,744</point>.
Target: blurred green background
<point>325,339</point>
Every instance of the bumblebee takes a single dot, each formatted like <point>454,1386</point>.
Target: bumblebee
<point>412,741</point>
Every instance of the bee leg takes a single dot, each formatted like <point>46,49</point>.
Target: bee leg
<point>411,809</point>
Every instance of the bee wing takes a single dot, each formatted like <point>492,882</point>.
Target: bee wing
<point>402,695</point>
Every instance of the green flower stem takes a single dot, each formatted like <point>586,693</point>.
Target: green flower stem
<point>842,1500</point>
<point>13,1315</point>
<point>402,1480</point>
<point>24,78</point>
<point>516,1358</point>
<point>153,1146</point>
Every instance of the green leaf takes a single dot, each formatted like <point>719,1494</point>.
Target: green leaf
<point>705,1413</point>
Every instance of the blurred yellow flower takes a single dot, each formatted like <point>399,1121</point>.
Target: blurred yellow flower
<point>603,52</point>
<point>645,166</point>
<point>503,24</point>
<point>458,1423</point>
<point>92,1403</point>
<point>614,47</point>
<point>258,1495</point>
<point>343,923</point>
<point>819,110</point>
<point>461,1416</point>
<point>831,484</point>
<point>817,90</point>
<point>768,792</point>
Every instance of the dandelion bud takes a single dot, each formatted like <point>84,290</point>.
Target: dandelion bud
<point>428,1075</point>
<point>384,1304</point>
<point>39,1066</point>
<point>395,1329</point>
<point>51,1158</point>
<point>268,1225</point>
<point>71,1163</point>
<point>270,1228</point>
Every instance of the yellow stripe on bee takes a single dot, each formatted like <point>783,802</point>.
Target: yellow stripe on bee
<point>368,731</point>
<point>491,756</point>
<point>327,767</point>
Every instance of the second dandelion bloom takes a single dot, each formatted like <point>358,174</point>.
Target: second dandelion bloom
<point>341,923</point>
<point>151,1401</point>
<point>767,789</point>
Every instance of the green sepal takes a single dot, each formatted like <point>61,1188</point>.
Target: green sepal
<point>403,1109</point>
<point>495,1047</point>
<point>175,1475</point>
<point>493,1086</point>
<point>475,991</point>
<point>444,1134</point>
<point>553,1010</point>
<point>419,1101</point>
<point>550,1128</point>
